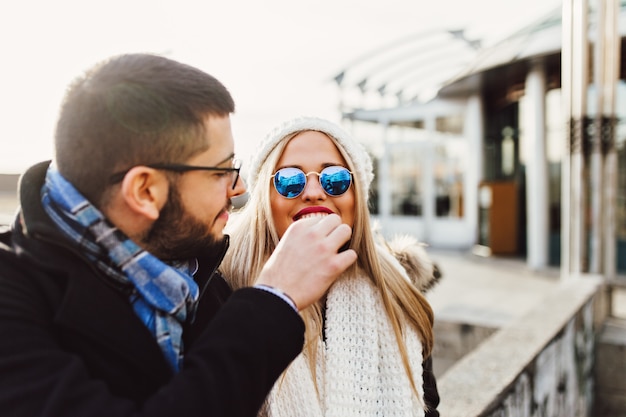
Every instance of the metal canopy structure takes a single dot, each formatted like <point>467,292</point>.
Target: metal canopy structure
<point>408,70</point>
<point>438,62</point>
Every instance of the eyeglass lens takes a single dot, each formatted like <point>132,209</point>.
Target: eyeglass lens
<point>290,182</point>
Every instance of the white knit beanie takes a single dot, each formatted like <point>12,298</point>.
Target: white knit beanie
<point>363,171</point>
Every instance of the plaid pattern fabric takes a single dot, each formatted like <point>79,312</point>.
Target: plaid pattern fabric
<point>164,296</point>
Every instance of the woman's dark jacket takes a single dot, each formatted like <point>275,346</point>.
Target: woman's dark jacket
<point>424,274</point>
<point>71,344</point>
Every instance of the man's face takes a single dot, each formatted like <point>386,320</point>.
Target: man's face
<point>177,234</point>
<point>197,209</point>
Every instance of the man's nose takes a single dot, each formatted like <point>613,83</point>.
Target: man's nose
<point>240,188</point>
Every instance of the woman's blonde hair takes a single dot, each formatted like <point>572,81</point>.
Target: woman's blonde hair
<point>254,238</point>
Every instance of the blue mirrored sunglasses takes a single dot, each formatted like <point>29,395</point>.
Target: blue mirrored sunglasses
<point>290,182</point>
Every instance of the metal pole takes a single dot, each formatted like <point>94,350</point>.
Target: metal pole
<point>596,160</point>
<point>612,57</point>
<point>578,142</point>
<point>566,94</point>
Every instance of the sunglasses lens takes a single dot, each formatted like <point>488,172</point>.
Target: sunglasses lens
<point>289,182</point>
<point>335,180</point>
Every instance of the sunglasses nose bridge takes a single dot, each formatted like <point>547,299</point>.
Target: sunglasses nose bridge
<point>314,182</point>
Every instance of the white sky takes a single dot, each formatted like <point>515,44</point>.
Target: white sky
<point>277,57</point>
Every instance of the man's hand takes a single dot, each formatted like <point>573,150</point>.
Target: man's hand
<point>306,261</point>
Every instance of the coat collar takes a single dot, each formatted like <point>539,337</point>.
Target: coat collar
<point>91,305</point>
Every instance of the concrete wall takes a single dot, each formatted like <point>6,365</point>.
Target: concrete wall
<point>540,365</point>
<point>8,182</point>
<point>8,197</point>
<point>610,370</point>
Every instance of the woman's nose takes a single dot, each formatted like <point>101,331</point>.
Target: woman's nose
<point>313,189</point>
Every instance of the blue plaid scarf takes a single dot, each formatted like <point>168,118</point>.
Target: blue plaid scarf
<point>164,296</point>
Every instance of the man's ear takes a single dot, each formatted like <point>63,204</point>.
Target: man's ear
<point>145,191</point>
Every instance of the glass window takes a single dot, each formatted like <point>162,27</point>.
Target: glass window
<point>406,178</point>
<point>373,203</point>
<point>450,124</point>
<point>450,162</point>
<point>426,169</point>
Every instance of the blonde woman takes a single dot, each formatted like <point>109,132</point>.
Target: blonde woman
<point>368,342</point>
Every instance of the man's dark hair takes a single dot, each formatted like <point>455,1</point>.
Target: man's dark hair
<point>132,110</point>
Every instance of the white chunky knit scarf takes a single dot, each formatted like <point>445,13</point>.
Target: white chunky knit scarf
<point>359,370</point>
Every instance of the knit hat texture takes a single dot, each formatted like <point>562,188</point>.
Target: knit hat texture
<point>363,171</point>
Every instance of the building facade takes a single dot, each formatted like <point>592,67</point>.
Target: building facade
<point>478,164</point>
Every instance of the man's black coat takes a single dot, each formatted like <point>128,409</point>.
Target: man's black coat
<point>71,344</point>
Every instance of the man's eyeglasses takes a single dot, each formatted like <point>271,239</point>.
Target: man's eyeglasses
<point>234,170</point>
<point>290,182</point>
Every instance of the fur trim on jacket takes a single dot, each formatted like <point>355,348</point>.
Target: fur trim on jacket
<point>422,271</point>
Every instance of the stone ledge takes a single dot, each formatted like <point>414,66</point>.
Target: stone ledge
<point>478,381</point>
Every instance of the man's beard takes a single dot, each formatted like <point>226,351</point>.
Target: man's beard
<point>177,235</point>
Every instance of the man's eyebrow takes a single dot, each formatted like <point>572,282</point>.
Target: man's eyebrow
<point>231,156</point>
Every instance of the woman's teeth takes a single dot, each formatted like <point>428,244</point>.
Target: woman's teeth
<point>318,214</point>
